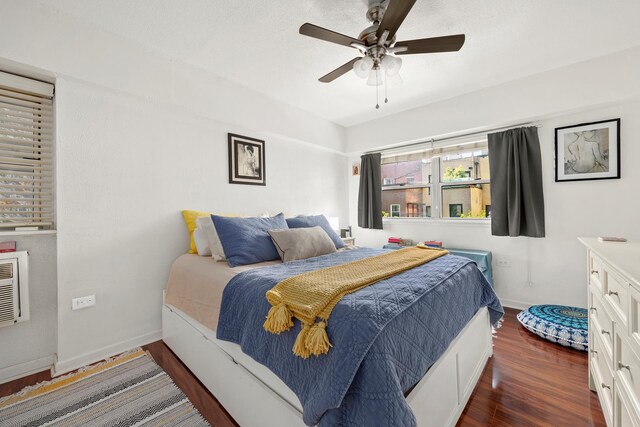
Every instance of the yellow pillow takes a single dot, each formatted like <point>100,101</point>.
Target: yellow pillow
<point>190,219</point>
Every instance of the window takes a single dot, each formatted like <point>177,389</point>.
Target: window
<point>455,210</point>
<point>26,152</point>
<point>461,188</point>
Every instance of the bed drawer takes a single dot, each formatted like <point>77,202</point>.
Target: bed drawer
<point>602,324</point>
<point>596,271</point>
<point>616,294</point>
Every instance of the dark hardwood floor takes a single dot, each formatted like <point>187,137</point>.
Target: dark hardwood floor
<point>527,382</point>
<point>532,382</point>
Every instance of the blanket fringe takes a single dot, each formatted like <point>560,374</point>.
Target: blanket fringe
<point>279,319</point>
<point>317,340</point>
<point>494,328</point>
<point>299,347</point>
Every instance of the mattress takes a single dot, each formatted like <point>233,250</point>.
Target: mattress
<point>196,284</point>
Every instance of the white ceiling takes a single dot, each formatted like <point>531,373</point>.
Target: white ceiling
<point>256,43</point>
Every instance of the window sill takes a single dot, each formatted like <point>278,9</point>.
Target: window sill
<point>484,222</point>
<point>9,233</point>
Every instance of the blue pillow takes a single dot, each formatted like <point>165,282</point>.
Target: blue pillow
<point>247,240</point>
<point>316,220</point>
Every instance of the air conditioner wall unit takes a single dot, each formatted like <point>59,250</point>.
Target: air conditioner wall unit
<point>14,287</point>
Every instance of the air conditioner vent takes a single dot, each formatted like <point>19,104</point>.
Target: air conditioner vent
<point>6,271</point>
<point>7,303</point>
<point>14,287</point>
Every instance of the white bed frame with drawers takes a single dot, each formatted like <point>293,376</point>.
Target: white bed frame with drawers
<point>254,396</point>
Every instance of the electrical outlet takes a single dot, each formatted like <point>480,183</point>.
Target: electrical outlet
<point>504,263</point>
<point>83,302</point>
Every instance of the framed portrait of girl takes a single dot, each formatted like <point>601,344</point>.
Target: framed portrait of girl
<point>246,160</point>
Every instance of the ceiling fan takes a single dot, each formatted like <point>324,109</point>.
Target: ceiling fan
<point>377,43</point>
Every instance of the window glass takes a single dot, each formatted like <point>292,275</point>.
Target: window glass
<point>405,170</point>
<point>465,166</point>
<point>458,175</point>
<point>466,201</point>
<point>410,202</point>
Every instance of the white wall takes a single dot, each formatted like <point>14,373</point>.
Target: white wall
<point>556,264</point>
<point>140,137</point>
<point>29,347</point>
<point>607,80</point>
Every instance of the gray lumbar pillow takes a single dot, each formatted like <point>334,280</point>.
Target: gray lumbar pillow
<point>302,243</point>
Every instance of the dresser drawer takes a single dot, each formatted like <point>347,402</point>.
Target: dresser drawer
<point>624,416</point>
<point>634,318</point>
<point>616,294</point>
<point>601,366</point>
<point>601,324</point>
<point>627,368</point>
<point>596,271</point>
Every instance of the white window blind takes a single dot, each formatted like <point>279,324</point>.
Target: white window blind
<point>26,153</point>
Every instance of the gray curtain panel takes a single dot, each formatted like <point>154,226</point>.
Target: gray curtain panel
<point>517,203</point>
<point>370,194</point>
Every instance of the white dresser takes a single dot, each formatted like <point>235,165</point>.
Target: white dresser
<point>614,328</point>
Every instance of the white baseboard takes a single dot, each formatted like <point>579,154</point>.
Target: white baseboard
<point>515,304</point>
<point>64,366</point>
<point>20,370</point>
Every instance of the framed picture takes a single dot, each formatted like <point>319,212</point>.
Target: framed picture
<point>246,160</point>
<point>355,169</point>
<point>588,151</point>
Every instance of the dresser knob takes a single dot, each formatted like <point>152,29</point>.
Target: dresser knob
<point>596,272</point>
<point>602,331</point>
<point>594,351</point>
<point>623,366</point>
<point>606,386</point>
<point>613,293</point>
<point>593,310</point>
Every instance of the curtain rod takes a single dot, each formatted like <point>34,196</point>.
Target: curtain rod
<point>447,138</point>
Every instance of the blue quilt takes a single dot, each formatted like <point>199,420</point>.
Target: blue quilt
<point>385,336</point>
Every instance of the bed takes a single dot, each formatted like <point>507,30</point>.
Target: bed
<point>265,394</point>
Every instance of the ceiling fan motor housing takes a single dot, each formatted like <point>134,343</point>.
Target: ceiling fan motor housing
<point>374,15</point>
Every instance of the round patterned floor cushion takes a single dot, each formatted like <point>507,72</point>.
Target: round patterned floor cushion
<point>560,324</point>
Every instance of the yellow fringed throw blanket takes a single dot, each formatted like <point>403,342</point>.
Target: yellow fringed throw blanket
<point>314,294</point>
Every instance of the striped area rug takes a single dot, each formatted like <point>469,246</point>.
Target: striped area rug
<point>129,390</point>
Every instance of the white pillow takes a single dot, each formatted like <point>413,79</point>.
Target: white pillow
<point>205,224</point>
<point>202,244</point>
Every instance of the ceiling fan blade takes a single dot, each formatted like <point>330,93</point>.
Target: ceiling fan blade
<point>431,45</point>
<point>396,12</point>
<point>327,35</point>
<point>328,78</point>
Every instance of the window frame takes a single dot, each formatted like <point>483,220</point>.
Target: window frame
<point>27,167</point>
<point>438,185</point>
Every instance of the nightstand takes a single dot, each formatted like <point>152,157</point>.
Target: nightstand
<point>349,240</point>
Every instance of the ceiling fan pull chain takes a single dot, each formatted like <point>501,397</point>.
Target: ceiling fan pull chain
<point>377,103</point>
<point>386,98</point>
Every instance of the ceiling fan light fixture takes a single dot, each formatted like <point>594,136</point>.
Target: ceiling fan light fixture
<point>387,62</point>
<point>394,69</point>
<point>375,78</point>
<point>360,68</point>
<point>391,64</point>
